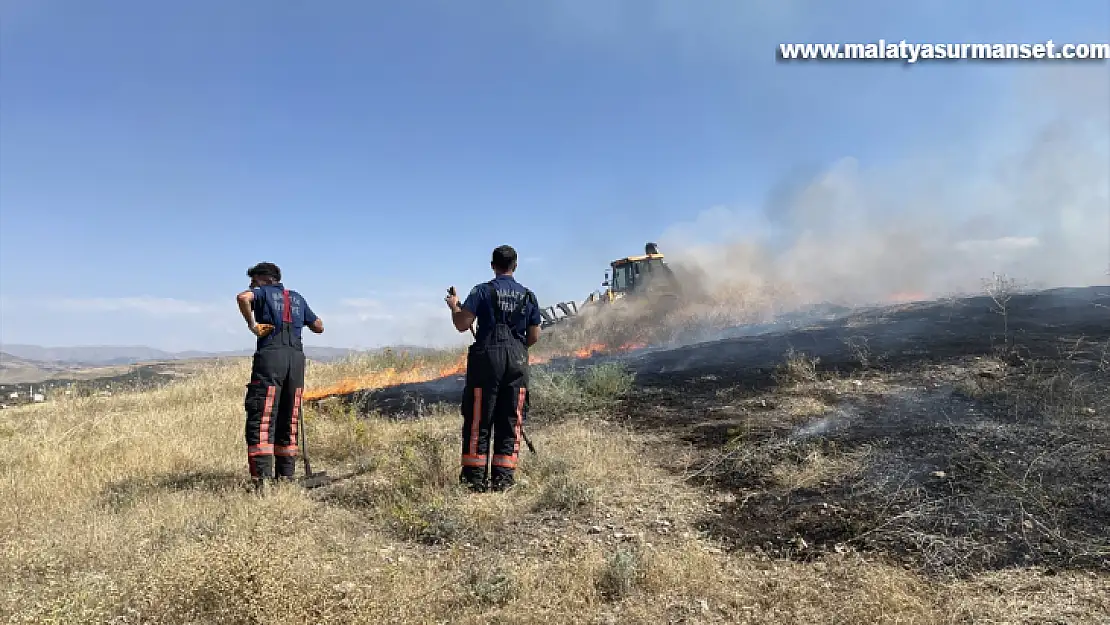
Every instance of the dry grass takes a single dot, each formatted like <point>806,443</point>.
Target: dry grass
<point>575,391</point>
<point>818,466</point>
<point>797,368</point>
<point>133,509</point>
<point>359,364</point>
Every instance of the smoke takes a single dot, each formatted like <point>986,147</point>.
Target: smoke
<point>1029,198</point>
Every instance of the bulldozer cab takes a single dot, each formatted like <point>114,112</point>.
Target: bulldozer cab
<point>633,273</point>
<point>644,275</point>
<point>636,274</point>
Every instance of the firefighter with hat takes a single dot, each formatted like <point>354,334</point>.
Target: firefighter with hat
<point>496,392</point>
<point>276,316</point>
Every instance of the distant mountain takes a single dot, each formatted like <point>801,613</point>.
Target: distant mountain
<point>8,361</point>
<point>102,355</point>
<point>15,370</point>
<point>87,355</point>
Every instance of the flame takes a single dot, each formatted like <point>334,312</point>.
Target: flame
<point>590,350</point>
<point>391,376</point>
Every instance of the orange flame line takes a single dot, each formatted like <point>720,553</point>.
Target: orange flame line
<point>391,376</point>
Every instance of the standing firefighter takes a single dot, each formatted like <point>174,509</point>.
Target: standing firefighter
<point>275,315</point>
<point>496,394</point>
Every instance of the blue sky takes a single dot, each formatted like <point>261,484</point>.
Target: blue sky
<point>151,151</point>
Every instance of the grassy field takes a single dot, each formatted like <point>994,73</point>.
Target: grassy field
<point>135,509</point>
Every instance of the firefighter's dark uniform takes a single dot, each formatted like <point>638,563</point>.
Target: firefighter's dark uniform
<point>496,392</point>
<point>273,401</point>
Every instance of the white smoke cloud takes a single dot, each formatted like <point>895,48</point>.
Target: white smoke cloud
<point>1029,197</point>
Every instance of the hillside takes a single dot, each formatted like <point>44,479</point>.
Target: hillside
<point>19,372</point>
<point>15,370</point>
<point>33,364</point>
<point>934,463</point>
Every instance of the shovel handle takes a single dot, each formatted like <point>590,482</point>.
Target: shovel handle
<point>304,449</point>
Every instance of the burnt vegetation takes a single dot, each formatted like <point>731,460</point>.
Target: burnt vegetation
<point>949,437</point>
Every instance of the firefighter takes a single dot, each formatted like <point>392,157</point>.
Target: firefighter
<point>496,392</point>
<point>273,401</point>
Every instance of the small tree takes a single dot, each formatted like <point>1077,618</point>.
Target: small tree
<point>1001,288</point>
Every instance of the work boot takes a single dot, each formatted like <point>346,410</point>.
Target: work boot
<point>473,479</point>
<point>261,467</point>
<point>285,467</point>
<point>502,479</point>
<point>261,470</point>
<point>262,485</point>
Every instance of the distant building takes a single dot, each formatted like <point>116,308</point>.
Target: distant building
<point>38,397</point>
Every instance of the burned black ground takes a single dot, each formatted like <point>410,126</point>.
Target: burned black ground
<point>954,437</point>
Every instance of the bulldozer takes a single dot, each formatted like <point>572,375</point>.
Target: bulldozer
<point>634,278</point>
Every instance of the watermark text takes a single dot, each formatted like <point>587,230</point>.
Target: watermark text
<point>907,52</point>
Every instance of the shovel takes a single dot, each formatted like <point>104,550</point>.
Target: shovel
<point>310,479</point>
